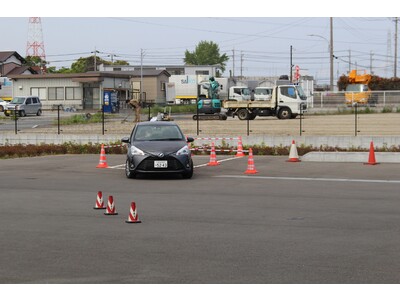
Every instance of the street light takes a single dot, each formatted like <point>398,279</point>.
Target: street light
<point>330,45</point>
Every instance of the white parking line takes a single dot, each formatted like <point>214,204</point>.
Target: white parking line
<point>311,179</point>
<point>117,167</point>
<point>222,160</point>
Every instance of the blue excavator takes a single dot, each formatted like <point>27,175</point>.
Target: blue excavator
<point>209,108</point>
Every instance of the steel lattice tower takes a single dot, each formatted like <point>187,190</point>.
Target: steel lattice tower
<point>35,44</point>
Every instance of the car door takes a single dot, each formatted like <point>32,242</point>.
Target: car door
<point>28,105</point>
<point>35,105</point>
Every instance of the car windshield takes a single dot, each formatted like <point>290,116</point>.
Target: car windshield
<point>17,100</point>
<point>158,133</point>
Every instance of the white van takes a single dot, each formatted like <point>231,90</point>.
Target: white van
<point>263,93</point>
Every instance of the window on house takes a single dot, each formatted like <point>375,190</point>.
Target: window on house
<point>73,93</point>
<point>39,92</point>
<point>56,93</point>
<point>163,86</point>
<point>202,72</point>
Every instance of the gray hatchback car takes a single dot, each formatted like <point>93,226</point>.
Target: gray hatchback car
<point>158,147</point>
<point>24,105</point>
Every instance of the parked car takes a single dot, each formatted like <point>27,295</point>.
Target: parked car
<point>24,105</point>
<point>2,105</point>
<point>158,147</point>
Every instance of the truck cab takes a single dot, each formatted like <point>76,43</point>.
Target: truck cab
<point>290,101</point>
<point>239,93</point>
<point>263,93</point>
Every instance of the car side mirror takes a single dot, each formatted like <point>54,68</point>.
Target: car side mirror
<point>189,139</point>
<point>125,140</point>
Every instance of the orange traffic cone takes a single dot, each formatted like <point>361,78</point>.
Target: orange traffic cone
<point>371,158</point>
<point>213,157</point>
<point>239,152</point>
<point>103,162</point>
<point>251,168</point>
<point>99,201</point>
<point>293,156</point>
<point>133,215</point>
<point>110,207</point>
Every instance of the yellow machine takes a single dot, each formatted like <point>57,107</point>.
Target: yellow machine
<point>358,91</point>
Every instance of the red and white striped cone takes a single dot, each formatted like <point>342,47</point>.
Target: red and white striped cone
<point>251,168</point>
<point>239,152</point>
<point>110,207</point>
<point>213,157</point>
<point>99,201</point>
<point>133,215</point>
<point>293,156</point>
<point>103,161</point>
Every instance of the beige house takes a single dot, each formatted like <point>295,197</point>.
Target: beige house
<point>87,90</point>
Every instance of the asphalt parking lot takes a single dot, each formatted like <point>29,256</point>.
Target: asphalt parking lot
<point>300,223</point>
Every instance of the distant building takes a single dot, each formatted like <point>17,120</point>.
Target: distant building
<point>210,70</point>
<point>11,63</point>
<point>87,90</point>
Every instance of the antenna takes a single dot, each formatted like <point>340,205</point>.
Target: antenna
<point>35,44</point>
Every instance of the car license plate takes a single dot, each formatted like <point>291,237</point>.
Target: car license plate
<point>160,164</point>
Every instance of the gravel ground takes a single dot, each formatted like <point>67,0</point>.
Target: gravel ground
<point>377,124</point>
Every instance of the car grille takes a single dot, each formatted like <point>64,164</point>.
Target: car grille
<point>148,164</point>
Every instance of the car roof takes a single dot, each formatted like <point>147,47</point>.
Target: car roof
<point>159,123</point>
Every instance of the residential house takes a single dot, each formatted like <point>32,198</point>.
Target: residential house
<point>11,63</point>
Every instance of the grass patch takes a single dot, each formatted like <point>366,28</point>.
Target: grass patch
<point>84,119</point>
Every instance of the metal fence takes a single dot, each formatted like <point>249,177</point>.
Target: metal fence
<point>338,99</point>
<point>327,115</point>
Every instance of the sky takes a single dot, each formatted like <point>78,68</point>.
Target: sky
<point>260,33</point>
<point>257,38</point>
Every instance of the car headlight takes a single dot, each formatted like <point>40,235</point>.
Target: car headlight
<point>183,151</point>
<point>136,151</point>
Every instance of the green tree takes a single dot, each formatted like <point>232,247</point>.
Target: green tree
<point>119,63</point>
<point>33,61</point>
<point>86,64</point>
<point>206,53</point>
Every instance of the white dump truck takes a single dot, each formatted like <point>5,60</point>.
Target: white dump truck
<point>286,102</point>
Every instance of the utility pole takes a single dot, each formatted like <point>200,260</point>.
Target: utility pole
<point>241,65</point>
<point>141,74</point>
<point>349,61</point>
<point>291,64</point>
<point>331,54</point>
<point>370,63</point>
<point>112,57</point>
<point>395,47</point>
<point>95,59</point>
<point>233,62</point>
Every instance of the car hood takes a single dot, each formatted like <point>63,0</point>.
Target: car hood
<point>156,147</point>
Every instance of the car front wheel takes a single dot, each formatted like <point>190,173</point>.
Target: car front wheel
<point>128,172</point>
